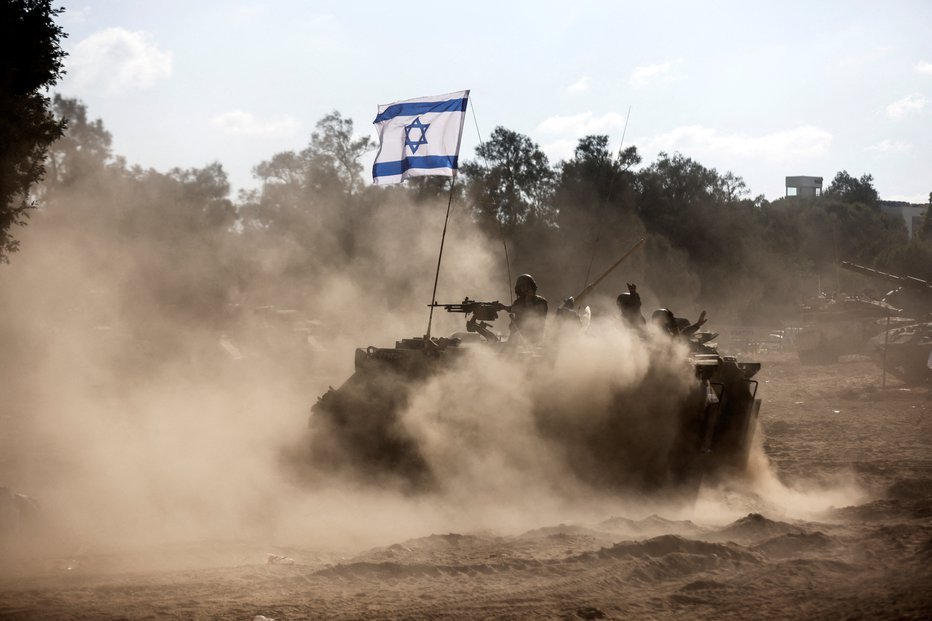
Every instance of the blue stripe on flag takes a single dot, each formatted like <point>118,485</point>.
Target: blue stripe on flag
<point>421,107</point>
<point>387,169</point>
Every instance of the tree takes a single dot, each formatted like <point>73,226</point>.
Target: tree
<point>850,190</point>
<point>205,191</point>
<point>512,182</point>
<point>432,188</point>
<point>285,168</point>
<point>674,195</point>
<point>594,201</point>
<point>731,189</point>
<point>313,197</point>
<point>587,182</point>
<point>333,155</point>
<point>83,150</point>
<point>327,169</point>
<point>32,61</point>
<point>592,170</point>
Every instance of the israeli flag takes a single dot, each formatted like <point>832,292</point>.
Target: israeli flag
<point>419,137</point>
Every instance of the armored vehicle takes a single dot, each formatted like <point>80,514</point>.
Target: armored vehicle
<point>836,326</point>
<point>905,346</point>
<point>648,437</point>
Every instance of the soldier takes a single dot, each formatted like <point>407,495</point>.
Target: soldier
<point>691,329</point>
<point>664,319</point>
<point>529,310</point>
<point>676,326</point>
<point>629,303</point>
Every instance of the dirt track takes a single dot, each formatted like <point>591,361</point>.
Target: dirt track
<point>823,427</point>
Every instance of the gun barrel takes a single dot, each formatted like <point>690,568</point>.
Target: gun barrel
<point>453,308</point>
<point>582,294</point>
<point>467,306</point>
<point>904,281</point>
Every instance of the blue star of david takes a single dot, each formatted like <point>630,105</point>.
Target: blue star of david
<point>414,144</point>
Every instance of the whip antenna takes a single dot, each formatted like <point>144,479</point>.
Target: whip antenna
<point>608,195</point>
<point>501,229</point>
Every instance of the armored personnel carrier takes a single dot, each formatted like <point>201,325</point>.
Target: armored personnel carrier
<point>905,346</point>
<point>835,326</point>
<point>644,438</point>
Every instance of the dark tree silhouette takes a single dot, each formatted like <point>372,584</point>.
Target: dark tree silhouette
<point>31,61</point>
<point>83,149</point>
<point>849,189</point>
<point>512,182</point>
<point>333,154</point>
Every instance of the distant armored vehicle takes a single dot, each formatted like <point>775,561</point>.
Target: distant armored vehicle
<point>912,296</point>
<point>839,326</point>
<point>905,348</point>
<point>704,431</point>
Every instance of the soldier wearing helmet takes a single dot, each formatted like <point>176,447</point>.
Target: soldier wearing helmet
<point>664,319</point>
<point>676,326</point>
<point>529,310</point>
<point>629,303</point>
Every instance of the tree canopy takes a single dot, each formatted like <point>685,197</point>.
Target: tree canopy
<point>853,190</point>
<point>511,182</point>
<point>32,61</point>
<point>710,243</point>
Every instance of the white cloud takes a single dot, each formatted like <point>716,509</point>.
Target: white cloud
<point>245,124</point>
<point>804,141</point>
<point>890,146</point>
<point>645,74</point>
<point>907,105</point>
<point>579,86</point>
<point>924,68</point>
<point>567,130</point>
<point>582,124</point>
<point>118,60</point>
<point>560,149</point>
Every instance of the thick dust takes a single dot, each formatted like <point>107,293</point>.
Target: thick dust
<point>130,423</point>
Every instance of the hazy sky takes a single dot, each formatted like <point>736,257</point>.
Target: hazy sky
<point>764,90</point>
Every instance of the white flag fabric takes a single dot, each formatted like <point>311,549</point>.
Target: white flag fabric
<point>419,137</point>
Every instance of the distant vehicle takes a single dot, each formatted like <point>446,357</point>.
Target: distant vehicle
<point>906,347</point>
<point>839,326</point>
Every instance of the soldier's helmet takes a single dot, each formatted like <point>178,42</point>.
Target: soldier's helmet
<point>664,318</point>
<point>628,301</point>
<point>525,280</point>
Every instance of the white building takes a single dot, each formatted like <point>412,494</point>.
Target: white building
<point>911,213</point>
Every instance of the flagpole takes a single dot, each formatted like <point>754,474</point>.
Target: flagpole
<point>433,296</point>
<point>501,230</point>
<point>398,133</point>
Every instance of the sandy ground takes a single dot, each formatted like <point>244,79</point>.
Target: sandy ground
<point>822,427</point>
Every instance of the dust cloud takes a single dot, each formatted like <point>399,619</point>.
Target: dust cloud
<point>131,420</point>
<point>511,443</point>
<point>132,423</point>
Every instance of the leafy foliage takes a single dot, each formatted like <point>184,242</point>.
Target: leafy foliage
<point>32,61</point>
<point>851,190</point>
<point>333,154</point>
<point>511,183</point>
<point>82,149</point>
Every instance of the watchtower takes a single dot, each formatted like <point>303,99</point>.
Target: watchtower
<point>808,187</point>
